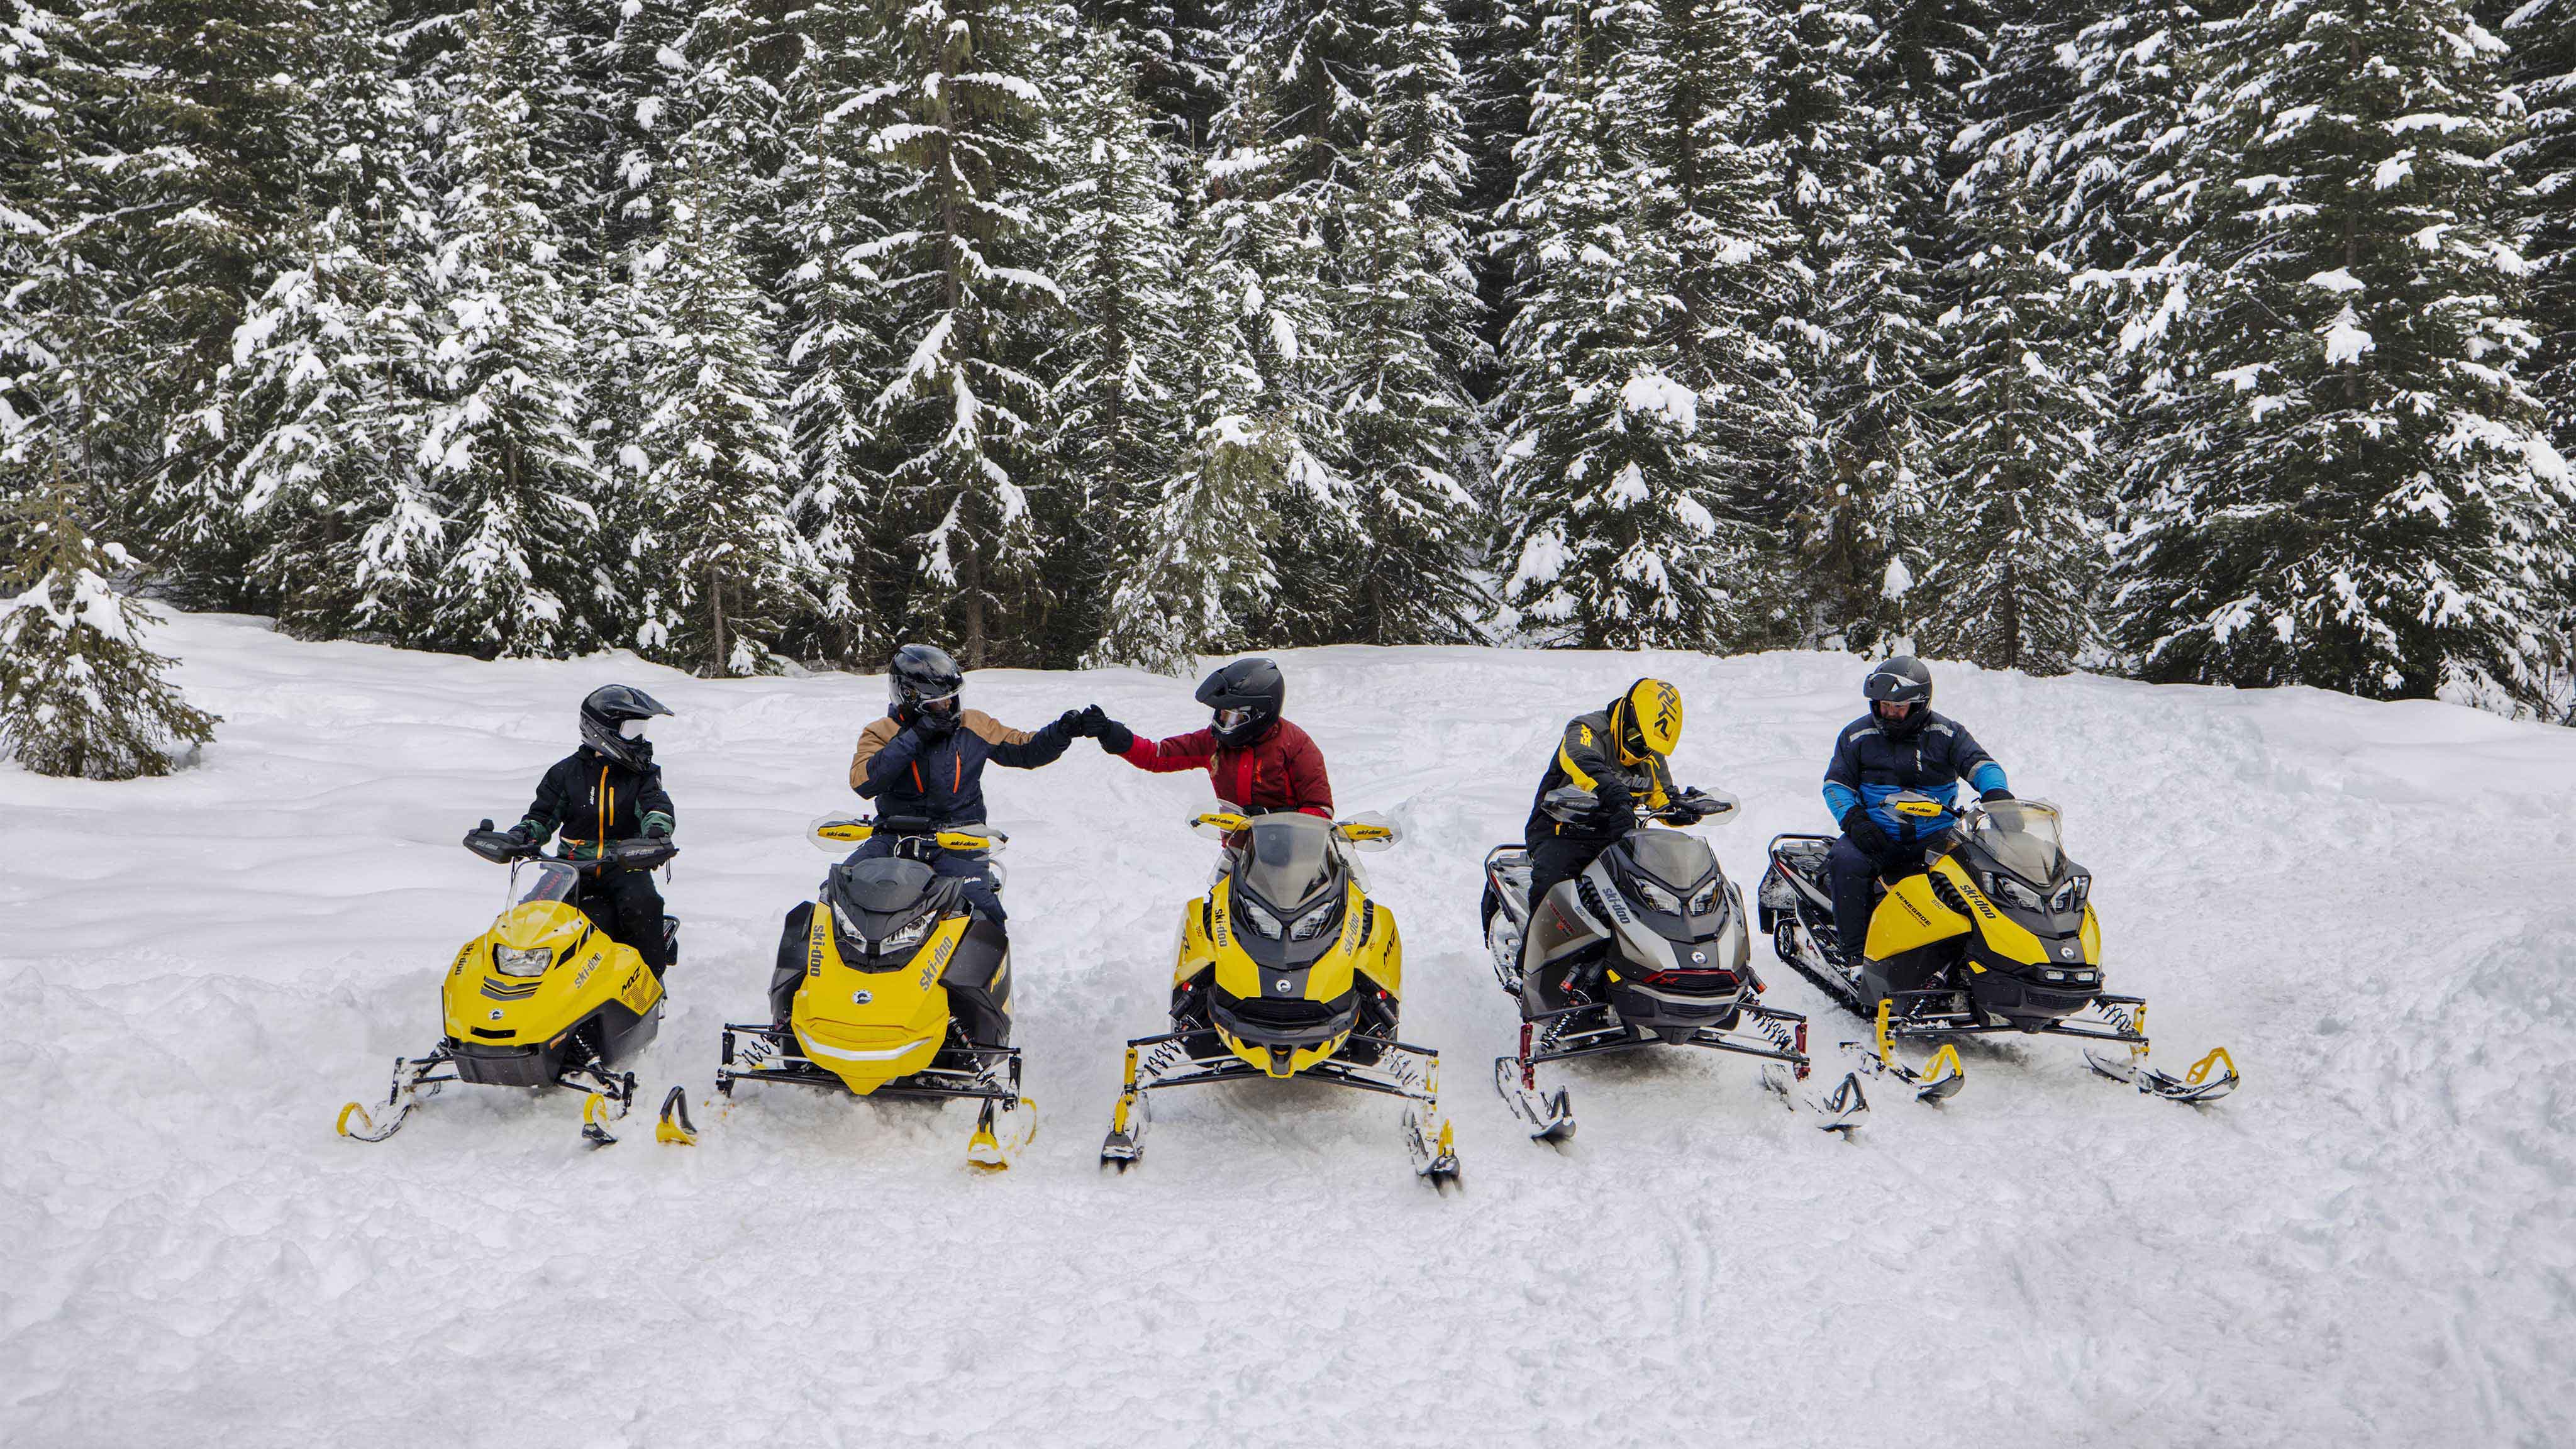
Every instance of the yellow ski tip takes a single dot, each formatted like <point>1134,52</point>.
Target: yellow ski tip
<point>2198,1074</point>
<point>592,1107</point>
<point>675,1126</point>
<point>354,1109</point>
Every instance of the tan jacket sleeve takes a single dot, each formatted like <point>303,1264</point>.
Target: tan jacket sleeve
<point>871,740</point>
<point>993,731</point>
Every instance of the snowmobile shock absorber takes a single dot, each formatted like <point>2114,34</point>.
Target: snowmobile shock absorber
<point>1802,1048</point>
<point>1529,1069</point>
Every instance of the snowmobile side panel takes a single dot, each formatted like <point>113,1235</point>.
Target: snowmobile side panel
<point>1910,918</point>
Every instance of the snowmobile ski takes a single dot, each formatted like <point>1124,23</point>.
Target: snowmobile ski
<point>1937,1080</point>
<point>675,1126</point>
<point>412,1083</point>
<point>618,1092</point>
<point>1001,1130</point>
<point>1549,1114</point>
<point>1841,1109</point>
<point>1434,1154</point>
<point>2193,1087</point>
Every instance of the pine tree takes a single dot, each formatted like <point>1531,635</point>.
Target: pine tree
<point>723,564</point>
<point>964,413</point>
<point>1177,56</point>
<point>1412,444</point>
<point>80,694</point>
<point>1858,324</point>
<point>1117,224</point>
<point>840,342</point>
<point>1196,565</point>
<point>2544,35</point>
<point>2016,550</point>
<point>2345,485</point>
<point>1612,541</point>
<point>503,439</point>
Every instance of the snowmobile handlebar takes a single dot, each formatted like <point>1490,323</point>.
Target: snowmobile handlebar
<point>1575,805</point>
<point>837,833</point>
<point>1365,831</point>
<point>501,848</point>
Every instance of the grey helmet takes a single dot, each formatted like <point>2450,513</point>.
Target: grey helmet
<point>612,724</point>
<point>923,684</point>
<point>1901,680</point>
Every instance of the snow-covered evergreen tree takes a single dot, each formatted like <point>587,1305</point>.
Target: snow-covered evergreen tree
<point>1118,228</point>
<point>964,414</point>
<point>2543,34</point>
<point>1604,482</point>
<point>80,693</point>
<point>2343,482</point>
<point>2014,540</point>
<point>1195,567</point>
<point>503,438</point>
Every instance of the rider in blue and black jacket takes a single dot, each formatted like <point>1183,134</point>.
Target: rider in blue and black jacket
<point>1900,745</point>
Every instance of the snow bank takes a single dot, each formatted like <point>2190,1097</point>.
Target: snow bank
<point>2370,905</point>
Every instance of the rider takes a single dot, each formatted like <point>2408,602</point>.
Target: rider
<point>606,791</point>
<point>1619,753</point>
<point>1258,761</point>
<point>923,765</point>
<point>1900,745</point>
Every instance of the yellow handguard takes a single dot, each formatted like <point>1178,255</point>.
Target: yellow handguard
<point>853,832</point>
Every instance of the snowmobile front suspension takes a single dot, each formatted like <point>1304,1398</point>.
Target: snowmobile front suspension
<point>1402,1070</point>
<point>2129,1014</point>
<point>983,1073</point>
<point>400,1099</point>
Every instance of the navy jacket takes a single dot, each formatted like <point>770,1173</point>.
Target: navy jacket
<point>1869,766</point>
<point>942,780</point>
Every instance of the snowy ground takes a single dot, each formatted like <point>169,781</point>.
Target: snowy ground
<point>2373,1242</point>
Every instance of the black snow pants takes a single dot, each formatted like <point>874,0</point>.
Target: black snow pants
<point>626,904</point>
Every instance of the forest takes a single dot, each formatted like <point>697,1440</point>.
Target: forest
<point>2228,341</point>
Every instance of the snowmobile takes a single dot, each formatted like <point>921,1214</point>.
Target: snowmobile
<point>1645,947</point>
<point>906,993</point>
<point>1996,934</point>
<point>542,998</point>
<point>1287,969</point>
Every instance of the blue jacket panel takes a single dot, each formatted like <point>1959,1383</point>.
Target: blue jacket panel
<point>1869,766</point>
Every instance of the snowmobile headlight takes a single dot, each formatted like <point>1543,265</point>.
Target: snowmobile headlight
<point>1259,919</point>
<point>907,935</point>
<point>511,961</point>
<point>1312,924</point>
<point>1655,897</point>
<point>2012,892</point>
<point>2070,896</point>
<point>1706,901</point>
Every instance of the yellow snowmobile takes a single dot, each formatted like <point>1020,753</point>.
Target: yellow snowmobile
<point>1286,968</point>
<point>1996,934</point>
<point>904,993</point>
<point>542,998</point>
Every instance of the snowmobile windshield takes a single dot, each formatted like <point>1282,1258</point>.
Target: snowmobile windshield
<point>544,880</point>
<point>2023,837</point>
<point>1678,860</point>
<point>1288,859</point>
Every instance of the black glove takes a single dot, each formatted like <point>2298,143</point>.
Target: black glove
<point>1114,737</point>
<point>1072,724</point>
<point>1864,832</point>
<point>1995,794</point>
<point>1618,804</point>
<point>522,833</point>
<point>656,828</point>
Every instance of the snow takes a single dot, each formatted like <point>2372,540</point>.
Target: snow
<point>2345,339</point>
<point>2371,1243</point>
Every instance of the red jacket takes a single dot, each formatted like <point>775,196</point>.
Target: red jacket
<point>1280,771</point>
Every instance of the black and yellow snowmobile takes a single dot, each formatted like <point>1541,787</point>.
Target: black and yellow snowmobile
<point>1287,969</point>
<point>905,993</point>
<point>1996,934</point>
<point>542,998</point>
<point>1645,946</point>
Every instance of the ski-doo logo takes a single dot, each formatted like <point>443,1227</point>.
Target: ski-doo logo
<point>1283,986</point>
<point>2066,951</point>
<point>496,1013</point>
<point>860,998</point>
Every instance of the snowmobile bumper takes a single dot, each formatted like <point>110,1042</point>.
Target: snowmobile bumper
<point>759,1053</point>
<point>507,1066</point>
<point>1401,1069</point>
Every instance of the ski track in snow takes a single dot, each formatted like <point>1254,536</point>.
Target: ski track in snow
<point>2372,1242</point>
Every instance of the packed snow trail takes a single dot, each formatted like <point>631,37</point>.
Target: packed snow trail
<point>2372,906</point>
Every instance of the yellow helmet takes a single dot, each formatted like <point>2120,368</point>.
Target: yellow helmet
<point>1647,720</point>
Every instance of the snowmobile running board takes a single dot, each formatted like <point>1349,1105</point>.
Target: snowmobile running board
<point>1434,1154</point>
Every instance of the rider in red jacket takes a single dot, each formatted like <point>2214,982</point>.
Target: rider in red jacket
<point>1258,761</point>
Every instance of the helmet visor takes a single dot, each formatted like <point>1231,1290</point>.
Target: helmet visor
<point>1893,709</point>
<point>632,729</point>
<point>1233,719</point>
<point>944,706</point>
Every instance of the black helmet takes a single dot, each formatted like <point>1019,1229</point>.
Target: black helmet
<point>924,684</point>
<point>612,723</point>
<point>1901,680</point>
<point>1247,696</point>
